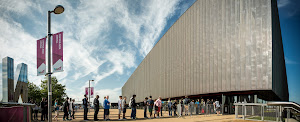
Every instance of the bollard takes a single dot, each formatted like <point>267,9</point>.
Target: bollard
<point>262,116</point>
<point>236,111</point>
<point>288,114</point>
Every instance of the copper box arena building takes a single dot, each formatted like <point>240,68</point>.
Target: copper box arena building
<point>230,50</point>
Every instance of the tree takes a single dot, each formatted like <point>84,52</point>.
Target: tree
<point>58,90</point>
<point>34,92</point>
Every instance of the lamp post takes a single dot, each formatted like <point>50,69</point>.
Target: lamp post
<point>58,10</point>
<point>90,91</point>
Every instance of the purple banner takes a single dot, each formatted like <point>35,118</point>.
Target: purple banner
<point>92,92</point>
<point>86,90</point>
<point>57,52</point>
<point>41,57</point>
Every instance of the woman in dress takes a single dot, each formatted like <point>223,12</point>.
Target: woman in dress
<point>56,110</point>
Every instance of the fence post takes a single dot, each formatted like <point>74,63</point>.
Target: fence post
<point>277,113</point>
<point>252,110</point>
<point>243,111</point>
<point>236,111</point>
<point>280,113</point>
<point>262,115</point>
<point>288,114</point>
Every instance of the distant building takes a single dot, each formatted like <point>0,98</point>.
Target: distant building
<point>230,50</point>
<point>14,85</point>
<point>7,79</point>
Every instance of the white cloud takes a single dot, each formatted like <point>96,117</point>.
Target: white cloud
<point>88,36</point>
<point>289,61</point>
<point>151,21</point>
<point>282,3</point>
<point>120,59</point>
<point>113,94</point>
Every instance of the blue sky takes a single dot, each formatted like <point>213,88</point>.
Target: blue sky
<point>107,40</point>
<point>289,15</point>
<point>103,40</point>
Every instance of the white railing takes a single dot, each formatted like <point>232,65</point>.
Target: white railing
<point>271,111</point>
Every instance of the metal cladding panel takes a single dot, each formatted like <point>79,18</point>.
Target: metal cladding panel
<point>215,46</point>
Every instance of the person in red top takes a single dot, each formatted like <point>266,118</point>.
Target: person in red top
<point>158,104</point>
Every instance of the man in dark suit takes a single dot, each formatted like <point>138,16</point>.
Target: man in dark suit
<point>85,107</point>
<point>43,109</point>
<point>96,108</point>
<point>66,109</point>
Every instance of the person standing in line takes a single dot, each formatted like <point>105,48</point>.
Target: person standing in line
<point>66,109</point>
<point>133,107</point>
<point>150,106</point>
<point>70,108</point>
<point>179,108</point>
<point>208,106</point>
<point>174,106</point>
<point>202,106</point>
<point>120,106</point>
<point>43,109</point>
<point>155,108</point>
<point>217,104</point>
<point>145,104</point>
<point>103,107</point>
<point>124,106</point>
<point>162,107</point>
<point>191,107</point>
<point>158,104</point>
<point>197,106</point>
<point>46,109</point>
<point>213,106</point>
<point>106,105</point>
<point>31,107</point>
<point>85,107</point>
<point>170,107</point>
<point>56,108</point>
<point>182,106</point>
<point>186,105</point>
<point>36,110</point>
<point>96,108</point>
<point>73,108</point>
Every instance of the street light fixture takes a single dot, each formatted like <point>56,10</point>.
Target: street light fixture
<point>58,10</point>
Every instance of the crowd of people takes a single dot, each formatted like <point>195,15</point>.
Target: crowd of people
<point>151,107</point>
<point>68,108</point>
<point>154,107</point>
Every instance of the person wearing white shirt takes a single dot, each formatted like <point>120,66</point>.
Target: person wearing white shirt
<point>120,106</point>
<point>124,106</point>
<point>70,108</point>
<point>217,104</point>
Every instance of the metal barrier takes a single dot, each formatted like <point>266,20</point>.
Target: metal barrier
<point>271,111</point>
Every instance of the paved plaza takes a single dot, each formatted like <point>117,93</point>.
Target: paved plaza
<point>165,118</point>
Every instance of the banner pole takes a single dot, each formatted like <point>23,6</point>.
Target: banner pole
<point>49,69</point>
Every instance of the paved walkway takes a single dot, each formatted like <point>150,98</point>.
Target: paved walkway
<point>165,118</point>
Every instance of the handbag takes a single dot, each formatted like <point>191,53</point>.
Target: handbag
<point>202,111</point>
<point>156,108</point>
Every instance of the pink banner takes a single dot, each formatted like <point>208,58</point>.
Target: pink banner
<point>41,57</point>
<point>92,92</point>
<point>87,91</point>
<point>57,52</point>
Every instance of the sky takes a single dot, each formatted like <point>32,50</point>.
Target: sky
<point>289,15</point>
<point>105,40</point>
